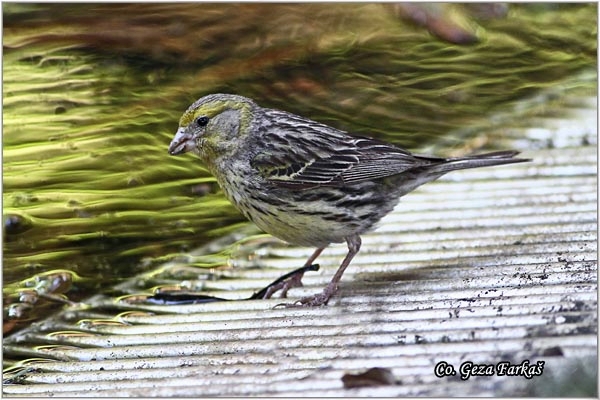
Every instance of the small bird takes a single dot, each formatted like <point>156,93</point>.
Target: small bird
<point>303,181</point>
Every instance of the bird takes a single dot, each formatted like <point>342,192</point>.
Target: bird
<point>306,182</point>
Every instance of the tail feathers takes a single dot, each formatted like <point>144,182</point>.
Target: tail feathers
<point>476,161</point>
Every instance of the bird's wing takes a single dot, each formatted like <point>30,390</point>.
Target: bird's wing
<point>301,153</point>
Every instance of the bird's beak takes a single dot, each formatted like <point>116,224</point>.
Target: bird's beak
<point>181,143</point>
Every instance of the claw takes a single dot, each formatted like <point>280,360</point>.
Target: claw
<point>316,300</point>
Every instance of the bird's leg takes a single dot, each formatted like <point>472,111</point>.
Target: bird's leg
<point>294,280</point>
<point>322,298</point>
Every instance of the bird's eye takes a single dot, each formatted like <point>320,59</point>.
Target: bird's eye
<point>202,121</point>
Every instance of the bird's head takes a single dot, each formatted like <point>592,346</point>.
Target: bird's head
<point>213,126</point>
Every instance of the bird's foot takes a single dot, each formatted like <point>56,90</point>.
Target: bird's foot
<point>285,283</point>
<point>316,300</point>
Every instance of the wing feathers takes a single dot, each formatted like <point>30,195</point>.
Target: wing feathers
<point>348,160</point>
<point>298,152</point>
